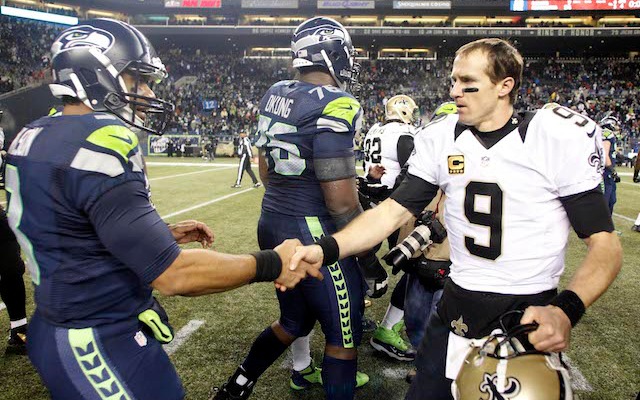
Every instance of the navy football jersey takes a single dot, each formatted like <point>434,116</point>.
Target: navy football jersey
<point>300,122</point>
<point>91,263</point>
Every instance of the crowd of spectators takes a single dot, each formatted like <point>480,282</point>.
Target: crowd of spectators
<point>24,51</point>
<point>219,94</point>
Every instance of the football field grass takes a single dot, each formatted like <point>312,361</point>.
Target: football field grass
<point>217,330</point>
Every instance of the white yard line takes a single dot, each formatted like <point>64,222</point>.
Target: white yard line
<point>203,164</point>
<point>625,218</point>
<point>206,203</point>
<point>179,164</point>
<point>182,335</point>
<point>630,183</point>
<point>578,381</point>
<point>189,173</point>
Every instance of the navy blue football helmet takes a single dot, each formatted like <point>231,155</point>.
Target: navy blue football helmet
<point>88,63</point>
<point>610,122</point>
<point>324,42</point>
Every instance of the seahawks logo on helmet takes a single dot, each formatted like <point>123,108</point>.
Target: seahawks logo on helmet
<point>83,36</point>
<point>490,386</point>
<point>330,34</point>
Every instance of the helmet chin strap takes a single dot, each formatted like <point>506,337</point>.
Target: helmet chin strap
<point>331,70</point>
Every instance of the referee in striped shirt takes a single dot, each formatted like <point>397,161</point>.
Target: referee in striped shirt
<point>244,151</point>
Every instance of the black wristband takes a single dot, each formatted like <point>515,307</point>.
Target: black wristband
<point>268,266</point>
<point>329,249</point>
<point>571,304</point>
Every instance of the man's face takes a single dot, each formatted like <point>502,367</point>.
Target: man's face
<point>469,72</point>
<point>142,89</point>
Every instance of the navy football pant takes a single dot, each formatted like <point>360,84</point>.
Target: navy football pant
<point>609,189</point>
<point>12,290</point>
<point>112,361</point>
<point>419,304</point>
<point>336,302</point>
<point>430,381</point>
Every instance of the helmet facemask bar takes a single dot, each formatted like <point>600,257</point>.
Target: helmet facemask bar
<point>127,103</point>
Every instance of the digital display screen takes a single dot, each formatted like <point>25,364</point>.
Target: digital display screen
<point>573,5</point>
<point>193,3</point>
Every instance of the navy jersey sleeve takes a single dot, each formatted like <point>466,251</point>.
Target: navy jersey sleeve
<point>131,229</point>
<point>108,157</point>
<point>337,124</point>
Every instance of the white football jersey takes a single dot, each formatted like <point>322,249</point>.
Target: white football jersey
<point>381,147</point>
<point>506,225</point>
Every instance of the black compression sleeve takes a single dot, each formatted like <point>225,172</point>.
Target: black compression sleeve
<point>404,149</point>
<point>588,213</point>
<point>414,194</point>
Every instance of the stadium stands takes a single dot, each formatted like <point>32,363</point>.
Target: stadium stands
<point>222,93</point>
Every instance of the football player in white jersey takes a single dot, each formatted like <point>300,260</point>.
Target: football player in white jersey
<point>515,185</point>
<point>387,147</point>
<point>389,144</point>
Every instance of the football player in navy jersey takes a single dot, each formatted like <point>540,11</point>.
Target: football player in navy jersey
<point>511,201</point>
<point>306,130</point>
<point>94,245</point>
<point>610,129</point>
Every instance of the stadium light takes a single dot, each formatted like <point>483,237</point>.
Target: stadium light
<point>38,15</point>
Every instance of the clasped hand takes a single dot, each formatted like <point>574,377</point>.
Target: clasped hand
<point>292,274</point>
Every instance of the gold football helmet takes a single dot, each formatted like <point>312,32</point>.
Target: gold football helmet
<point>501,369</point>
<point>402,108</point>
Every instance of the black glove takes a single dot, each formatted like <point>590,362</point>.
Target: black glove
<point>614,175</point>
<point>374,274</point>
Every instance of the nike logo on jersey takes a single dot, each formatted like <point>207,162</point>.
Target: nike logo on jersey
<point>127,139</point>
<point>350,107</point>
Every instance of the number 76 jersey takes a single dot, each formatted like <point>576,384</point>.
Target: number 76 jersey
<point>300,122</point>
<point>507,228</point>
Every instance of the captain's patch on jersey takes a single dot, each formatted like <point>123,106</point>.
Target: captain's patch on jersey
<point>456,164</point>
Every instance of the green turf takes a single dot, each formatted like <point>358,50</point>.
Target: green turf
<point>603,347</point>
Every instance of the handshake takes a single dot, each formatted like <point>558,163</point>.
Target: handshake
<point>428,230</point>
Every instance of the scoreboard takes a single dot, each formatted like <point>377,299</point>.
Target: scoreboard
<point>192,3</point>
<point>572,5</point>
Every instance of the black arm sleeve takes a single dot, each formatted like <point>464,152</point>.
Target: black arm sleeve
<point>404,149</point>
<point>588,213</point>
<point>414,194</point>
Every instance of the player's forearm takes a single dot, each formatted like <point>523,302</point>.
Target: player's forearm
<point>263,169</point>
<point>197,272</point>
<point>599,268</point>
<point>371,227</point>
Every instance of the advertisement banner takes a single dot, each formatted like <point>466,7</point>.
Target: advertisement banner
<point>159,145</point>
<point>347,4</point>
<point>269,4</point>
<point>193,3</point>
<point>422,4</point>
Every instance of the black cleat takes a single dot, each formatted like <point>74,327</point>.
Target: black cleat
<point>17,343</point>
<point>238,387</point>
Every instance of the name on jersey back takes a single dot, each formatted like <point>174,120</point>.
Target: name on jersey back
<point>279,105</point>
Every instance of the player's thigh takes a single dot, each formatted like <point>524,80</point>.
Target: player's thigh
<point>115,361</point>
<point>274,228</point>
<point>338,302</point>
